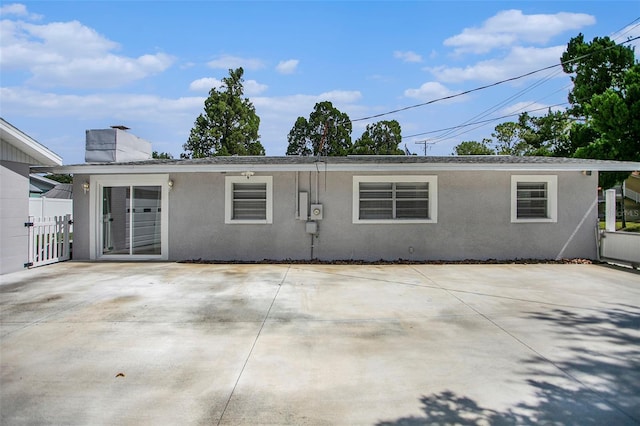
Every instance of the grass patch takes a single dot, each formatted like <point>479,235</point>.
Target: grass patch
<point>631,226</point>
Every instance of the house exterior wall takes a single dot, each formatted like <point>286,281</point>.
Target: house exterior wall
<point>473,221</point>
<point>81,225</point>
<point>9,152</point>
<point>14,212</point>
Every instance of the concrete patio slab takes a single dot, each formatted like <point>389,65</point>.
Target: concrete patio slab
<point>168,343</point>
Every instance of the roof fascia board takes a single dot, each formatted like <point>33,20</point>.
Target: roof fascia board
<point>27,144</point>
<point>320,166</point>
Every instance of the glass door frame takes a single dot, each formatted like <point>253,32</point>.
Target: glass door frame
<point>97,184</point>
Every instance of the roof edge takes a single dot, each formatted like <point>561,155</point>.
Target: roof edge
<point>349,164</point>
<point>28,145</point>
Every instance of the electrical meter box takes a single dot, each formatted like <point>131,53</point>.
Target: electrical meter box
<point>316,212</point>
<point>312,227</point>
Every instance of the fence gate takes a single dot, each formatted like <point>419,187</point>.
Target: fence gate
<point>49,240</point>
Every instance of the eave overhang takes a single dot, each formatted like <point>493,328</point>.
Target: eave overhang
<point>28,145</point>
<point>349,164</point>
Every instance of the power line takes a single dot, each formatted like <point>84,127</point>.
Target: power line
<point>453,133</point>
<point>483,121</point>
<point>496,107</point>
<point>456,95</point>
<point>485,86</point>
<point>628,29</point>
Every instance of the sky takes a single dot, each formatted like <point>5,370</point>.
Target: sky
<point>69,66</point>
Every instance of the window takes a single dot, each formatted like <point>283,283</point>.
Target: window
<point>398,199</point>
<point>248,200</point>
<point>534,198</point>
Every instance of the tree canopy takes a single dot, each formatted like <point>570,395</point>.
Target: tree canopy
<point>594,68</point>
<point>380,138</point>
<point>602,121</point>
<point>229,124</point>
<point>62,178</point>
<point>161,155</point>
<point>605,102</point>
<point>326,132</point>
<point>474,148</point>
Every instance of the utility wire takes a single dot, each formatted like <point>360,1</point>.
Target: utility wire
<point>629,28</point>
<point>456,95</point>
<point>489,120</point>
<point>485,86</point>
<point>454,132</point>
<point>501,104</point>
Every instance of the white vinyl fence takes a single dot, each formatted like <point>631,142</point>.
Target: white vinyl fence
<point>617,245</point>
<point>622,246</point>
<point>49,240</point>
<point>48,207</point>
<point>632,195</point>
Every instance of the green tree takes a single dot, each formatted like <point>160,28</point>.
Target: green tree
<point>381,138</point>
<point>613,119</point>
<point>474,148</point>
<point>594,67</point>
<point>606,101</point>
<point>229,124</point>
<point>326,132</point>
<point>508,140</point>
<point>62,178</point>
<point>547,135</point>
<point>161,155</point>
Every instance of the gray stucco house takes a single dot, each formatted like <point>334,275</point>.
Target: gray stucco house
<point>18,152</point>
<point>338,208</point>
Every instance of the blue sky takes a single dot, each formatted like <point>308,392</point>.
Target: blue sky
<point>149,65</point>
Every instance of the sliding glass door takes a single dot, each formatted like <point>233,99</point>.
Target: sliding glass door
<point>130,220</point>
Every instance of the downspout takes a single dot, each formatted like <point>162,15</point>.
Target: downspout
<point>297,189</point>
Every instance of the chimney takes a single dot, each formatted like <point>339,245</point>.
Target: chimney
<point>115,145</point>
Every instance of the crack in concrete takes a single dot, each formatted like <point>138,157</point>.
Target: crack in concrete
<point>255,341</point>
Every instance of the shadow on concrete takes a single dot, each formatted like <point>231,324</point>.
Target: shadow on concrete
<point>601,360</point>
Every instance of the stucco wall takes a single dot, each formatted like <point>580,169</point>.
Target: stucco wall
<point>474,221</point>
<point>197,226</point>
<point>14,212</point>
<point>81,228</point>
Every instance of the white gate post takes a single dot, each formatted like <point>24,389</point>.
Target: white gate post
<point>610,210</point>
<point>66,237</point>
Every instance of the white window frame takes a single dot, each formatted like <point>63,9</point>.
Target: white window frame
<point>96,184</point>
<point>228,202</point>
<point>433,198</point>
<point>552,198</point>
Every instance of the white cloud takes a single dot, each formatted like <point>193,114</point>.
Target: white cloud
<point>340,96</point>
<point>287,67</point>
<point>511,27</point>
<point>145,108</point>
<point>17,9</point>
<point>519,61</point>
<point>429,91</point>
<point>205,84</point>
<point>407,56</point>
<point>232,62</point>
<point>252,87</point>
<point>293,106</point>
<point>72,55</point>
<point>166,121</point>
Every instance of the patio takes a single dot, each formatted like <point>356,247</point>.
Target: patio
<point>169,343</point>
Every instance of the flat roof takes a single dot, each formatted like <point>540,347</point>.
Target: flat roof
<point>349,163</point>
